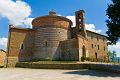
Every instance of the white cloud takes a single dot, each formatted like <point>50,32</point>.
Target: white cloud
<point>3,43</point>
<point>72,18</point>
<point>90,27</point>
<point>115,48</point>
<point>16,12</point>
<point>27,22</point>
<point>59,15</point>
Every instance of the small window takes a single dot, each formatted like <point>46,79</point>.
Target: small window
<point>96,56</point>
<point>22,46</point>
<point>46,44</point>
<point>98,47</point>
<point>95,45</point>
<point>104,48</point>
<point>92,46</point>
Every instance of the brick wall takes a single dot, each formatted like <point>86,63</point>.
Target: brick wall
<point>107,67</point>
<point>47,40</point>
<point>57,21</point>
<point>50,30</point>
<point>93,39</point>
<point>83,44</point>
<point>2,58</point>
<point>17,39</point>
<point>97,44</point>
<point>69,49</point>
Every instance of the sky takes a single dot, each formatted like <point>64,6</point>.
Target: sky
<point>22,12</point>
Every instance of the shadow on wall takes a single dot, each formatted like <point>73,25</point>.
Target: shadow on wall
<point>93,73</point>
<point>57,54</point>
<point>69,50</point>
<point>26,48</point>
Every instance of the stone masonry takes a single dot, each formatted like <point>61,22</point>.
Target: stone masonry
<point>2,57</point>
<point>52,38</point>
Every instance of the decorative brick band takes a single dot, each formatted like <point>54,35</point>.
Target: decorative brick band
<point>57,21</point>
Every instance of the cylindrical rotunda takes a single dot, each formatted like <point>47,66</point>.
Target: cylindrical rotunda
<point>50,30</point>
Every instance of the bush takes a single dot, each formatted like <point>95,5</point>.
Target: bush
<point>82,58</point>
<point>85,58</point>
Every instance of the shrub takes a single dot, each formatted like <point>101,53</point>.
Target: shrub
<point>85,58</point>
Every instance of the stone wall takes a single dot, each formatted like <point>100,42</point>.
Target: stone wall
<point>97,44</point>
<point>20,45</point>
<point>83,47</point>
<point>50,30</point>
<point>52,38</point>
<point>109,67</point>
<point>94,46</point>
<point>57,21</point>
<point>47,42</point>
<point>2,58</point>
<point>69,50</point>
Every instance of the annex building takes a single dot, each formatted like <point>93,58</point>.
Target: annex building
<point>53,38</point>
<point>2,57</point>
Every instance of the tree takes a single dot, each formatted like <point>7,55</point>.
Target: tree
<point>112,55</point>
<point>113,22</point>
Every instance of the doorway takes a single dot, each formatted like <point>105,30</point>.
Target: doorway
<point>83,51</point>
<point>96,56</point>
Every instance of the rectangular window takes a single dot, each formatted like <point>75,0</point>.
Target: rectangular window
<point>46,44</point>
<point>104,48</point>
<point>22,46</point>
<point>98,47</point>
<point>95,45</point>
<point>92,46</point>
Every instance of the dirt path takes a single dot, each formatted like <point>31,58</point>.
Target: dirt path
<point>48,74</point>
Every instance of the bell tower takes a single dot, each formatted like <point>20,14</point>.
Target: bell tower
<point>80,23</point>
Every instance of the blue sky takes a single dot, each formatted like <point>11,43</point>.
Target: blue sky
<point>95,12</point>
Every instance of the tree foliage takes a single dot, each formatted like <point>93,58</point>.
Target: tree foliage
<point>112,54</point>
<point>113,22</point>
